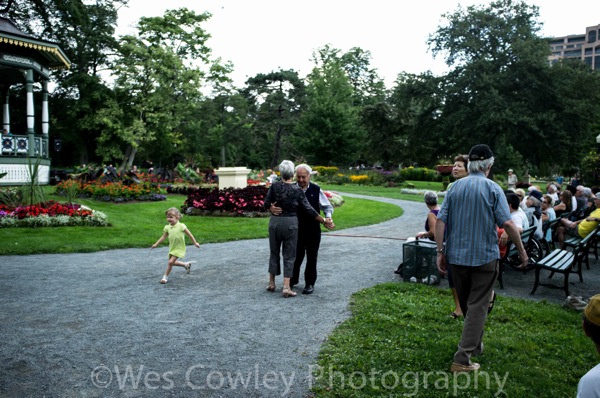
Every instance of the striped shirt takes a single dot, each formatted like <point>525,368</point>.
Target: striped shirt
<point>471,212</point>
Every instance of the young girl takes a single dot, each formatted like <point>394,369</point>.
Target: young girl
<point>175,231</point>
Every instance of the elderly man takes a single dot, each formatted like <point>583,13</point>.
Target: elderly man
<point>589,384</point>
<point>309,232</point>
<point>467,223</point>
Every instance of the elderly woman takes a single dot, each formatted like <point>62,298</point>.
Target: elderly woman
<point>431,200</point>
<point>283,228</point>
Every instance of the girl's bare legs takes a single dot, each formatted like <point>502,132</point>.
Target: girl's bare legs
<point>173,261</point>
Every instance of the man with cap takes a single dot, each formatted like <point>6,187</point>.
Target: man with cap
<point>534,211</point>
<point>467,225</point>
<point>580,228</point>
<point>589,384</point>
<point>512,180</point>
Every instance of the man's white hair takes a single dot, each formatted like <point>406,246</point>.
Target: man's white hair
<point>305,167</point>
<point>481,166</point>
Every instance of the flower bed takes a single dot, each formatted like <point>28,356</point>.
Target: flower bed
<point>111,191</point>
<point>229,201</point>
<point>247,202</point>
<point>51,214</point>
<point>335,198</point>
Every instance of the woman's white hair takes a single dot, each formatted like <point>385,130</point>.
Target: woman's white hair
<point>286,169</point>
<point>430,197</point>
<point>480,166</point>
<point>305,167</point>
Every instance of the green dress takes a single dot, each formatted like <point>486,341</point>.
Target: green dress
<point>176,239</point>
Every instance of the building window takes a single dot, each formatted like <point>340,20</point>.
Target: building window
<point>588,51</point>
<point>597,62</point>
<point>591,36</point>
<point>588,61</point>
<point>597,51</point>
<point>576,53</point>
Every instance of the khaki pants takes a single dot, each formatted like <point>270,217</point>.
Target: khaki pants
<point>474,286</point>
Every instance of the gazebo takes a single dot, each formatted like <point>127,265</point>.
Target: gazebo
<point>27,61</point>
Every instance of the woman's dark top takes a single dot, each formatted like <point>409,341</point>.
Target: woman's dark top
<point>435,212</point>
<point>288,197</point>
<point>568,209</point>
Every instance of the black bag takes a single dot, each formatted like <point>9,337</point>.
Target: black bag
<point>419,262</point>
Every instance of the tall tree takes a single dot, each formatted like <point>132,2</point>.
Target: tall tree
<point>416,102</point>
<point>159,76</point>
<point>329,131</point>
<point>495,92</point>
<point>276,100</point>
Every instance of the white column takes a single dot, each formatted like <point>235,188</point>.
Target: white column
<point>6,112</point>
<point>30,109</point>
<point>45,116</point>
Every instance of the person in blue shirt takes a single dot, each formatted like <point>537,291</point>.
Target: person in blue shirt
<point>467,223</point>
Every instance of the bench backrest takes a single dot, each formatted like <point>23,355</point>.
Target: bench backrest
<point>527,233</point>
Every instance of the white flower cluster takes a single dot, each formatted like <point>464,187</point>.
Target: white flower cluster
<point>97,219</point>
<point>335,199</point>
<point>420,192</point>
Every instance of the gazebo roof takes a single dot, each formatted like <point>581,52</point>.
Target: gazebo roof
<point>47,53</point>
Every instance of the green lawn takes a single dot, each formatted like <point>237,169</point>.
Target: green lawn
<point>387,192</point>
<point>140,225</point>
<point>400,342</point>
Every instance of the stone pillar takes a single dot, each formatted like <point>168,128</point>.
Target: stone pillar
<point>235,177</point>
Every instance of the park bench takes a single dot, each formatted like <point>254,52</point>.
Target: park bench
<point>564,262</point>
<point>549,226</point>
<point>534,250</point>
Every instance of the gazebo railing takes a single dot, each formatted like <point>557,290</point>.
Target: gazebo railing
<point>18,145</point>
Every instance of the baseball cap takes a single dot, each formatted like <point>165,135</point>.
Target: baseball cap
<point>480,152</point>
<point>536,194</point>
<point>592,310</point>
<point>510,170</point>
<point>598,195</point>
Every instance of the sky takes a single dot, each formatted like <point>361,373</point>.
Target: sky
<point>261,36</point>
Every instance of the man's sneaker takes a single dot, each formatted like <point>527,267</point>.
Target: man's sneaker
<point>457,367</point>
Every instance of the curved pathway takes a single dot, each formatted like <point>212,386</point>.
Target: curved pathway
<point>100,324</point>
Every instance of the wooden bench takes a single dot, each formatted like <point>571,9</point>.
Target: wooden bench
<point>564,262</point>
<point>550,225</point>
<point>512,257</point>
<point>574,240</point>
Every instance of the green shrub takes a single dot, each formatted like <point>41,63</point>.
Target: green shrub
<point>420,174</point>
<point>326,171</point>
<point>340,179</point>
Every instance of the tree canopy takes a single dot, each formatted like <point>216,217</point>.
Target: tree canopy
<point>159,94</point>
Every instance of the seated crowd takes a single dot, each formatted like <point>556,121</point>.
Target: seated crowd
<point>577,206</point>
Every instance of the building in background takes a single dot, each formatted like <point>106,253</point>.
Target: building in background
<point>585,47</point>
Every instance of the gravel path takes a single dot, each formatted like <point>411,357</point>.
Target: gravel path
<point>100,324</point>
